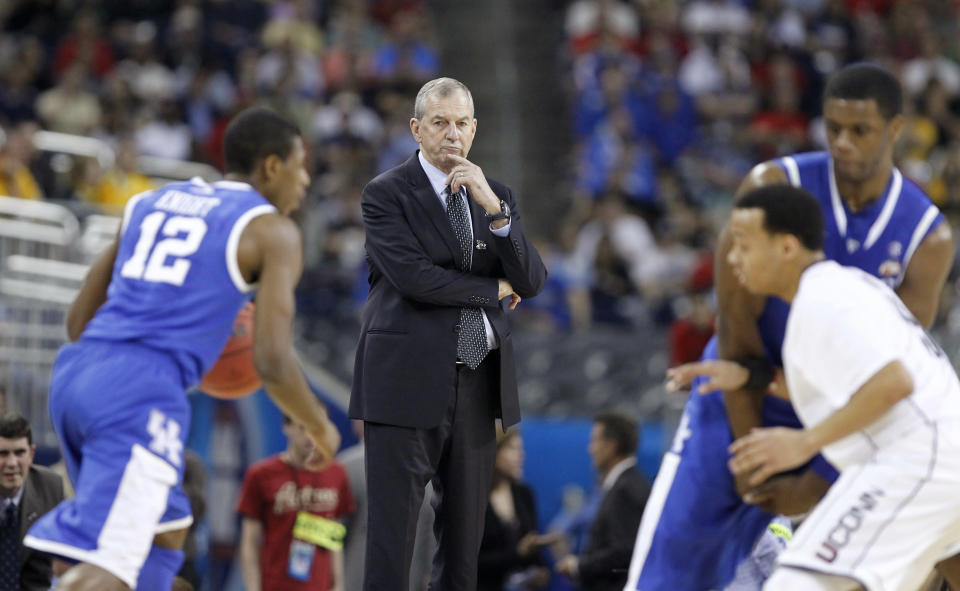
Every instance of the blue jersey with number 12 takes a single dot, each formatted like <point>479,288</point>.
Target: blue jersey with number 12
<point>176,285</point>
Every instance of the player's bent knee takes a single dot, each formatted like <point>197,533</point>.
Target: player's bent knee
<point>792,579</point>
<point>87,577</point>
<point>181,584</point>
<point>172,540</point>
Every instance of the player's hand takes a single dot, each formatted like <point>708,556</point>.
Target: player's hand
<point>505,289</point>
<point>326,442</point>
<point>720,374</point>
<point>765,452</point>
<point>788,494</point>
<point>568,566</point>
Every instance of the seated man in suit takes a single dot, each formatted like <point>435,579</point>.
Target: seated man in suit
<point>603,564</point>
<point>26,493</point>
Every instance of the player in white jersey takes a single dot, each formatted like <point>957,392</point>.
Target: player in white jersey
<point>876,396</point>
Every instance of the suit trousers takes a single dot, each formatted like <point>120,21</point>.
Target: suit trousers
<point>458,456</point>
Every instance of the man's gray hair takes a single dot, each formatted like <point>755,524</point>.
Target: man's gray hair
<point>441,87</point>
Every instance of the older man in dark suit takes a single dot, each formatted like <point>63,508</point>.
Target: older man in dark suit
<point>435,363</point>
<point>603,564</point>
<point>26,493</point>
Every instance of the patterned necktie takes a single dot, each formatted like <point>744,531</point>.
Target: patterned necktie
<point>10,550</point>
<point>472,344</point>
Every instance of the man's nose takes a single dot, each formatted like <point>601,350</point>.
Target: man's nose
<point>843,141</point>
<point>452,131</point>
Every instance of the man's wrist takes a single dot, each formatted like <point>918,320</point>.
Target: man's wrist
<point>759,373</point>
<point>809,440</point>
<point>502,212</point>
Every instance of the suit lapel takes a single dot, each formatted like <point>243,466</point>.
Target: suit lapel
<point>28,511</point>
<point>427,198</point>
<point>478,219</point>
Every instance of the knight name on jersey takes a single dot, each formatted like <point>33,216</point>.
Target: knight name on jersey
<point>185,203</point>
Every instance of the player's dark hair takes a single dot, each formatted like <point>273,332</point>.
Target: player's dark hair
<point>788,210</point>
<point>621,429</point>
<point>15,426</point>
<point>865,81</point>
<point>255,134</point>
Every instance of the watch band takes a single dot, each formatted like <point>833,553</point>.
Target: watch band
<point>503,214</point>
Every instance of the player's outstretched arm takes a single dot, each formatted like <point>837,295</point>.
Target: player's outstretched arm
<point>765,452</point>
<point>270,245</point>
<point>93,293</point>
<point>926,273</point>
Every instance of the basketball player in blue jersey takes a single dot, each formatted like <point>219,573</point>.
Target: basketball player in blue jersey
<point>700,522</point>
<point>151,318</point>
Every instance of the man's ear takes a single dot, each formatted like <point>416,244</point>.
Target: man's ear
<point>415,128</point>
<point>789,245</point>
<point>896,128</point>
<point>270,166</point>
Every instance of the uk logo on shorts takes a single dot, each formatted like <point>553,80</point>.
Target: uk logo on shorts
<point>166,437</point>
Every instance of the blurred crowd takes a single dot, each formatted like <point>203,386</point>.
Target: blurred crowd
<point>670,104</point>
<point>161,78</point>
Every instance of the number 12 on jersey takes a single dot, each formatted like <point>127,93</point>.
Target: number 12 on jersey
<point>181,237</point>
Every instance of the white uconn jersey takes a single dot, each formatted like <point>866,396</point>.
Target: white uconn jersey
<point>844,326</point>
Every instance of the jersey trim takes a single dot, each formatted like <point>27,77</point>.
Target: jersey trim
<point>128,209</point>
<point>920,232</point>
<point>651,516</point>
<point>233,185</point>
<point>792,170</point>
<point>182,523</point>
<point>880,224</point>
<point>233,266</point>
<point>838,214</point>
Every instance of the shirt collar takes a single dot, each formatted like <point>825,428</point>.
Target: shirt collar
<point>611,478</point>
<point>437,178</point>
<point>14,500</point>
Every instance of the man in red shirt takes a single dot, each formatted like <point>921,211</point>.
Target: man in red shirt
<point>290,537</point>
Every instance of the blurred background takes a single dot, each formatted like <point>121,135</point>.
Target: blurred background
<point>623,126</point>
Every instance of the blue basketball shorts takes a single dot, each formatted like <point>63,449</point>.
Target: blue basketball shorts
<point>122,418</point>
<point>696,529</point>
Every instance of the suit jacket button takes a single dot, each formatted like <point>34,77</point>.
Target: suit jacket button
<point>456,328</point>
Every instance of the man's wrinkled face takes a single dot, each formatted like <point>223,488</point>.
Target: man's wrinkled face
<point>447,127</point>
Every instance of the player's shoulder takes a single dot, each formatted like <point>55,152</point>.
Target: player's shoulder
<point>911,192</point>
<point>829,286</point>
<point>807,159</point>
<point>780,167</point>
